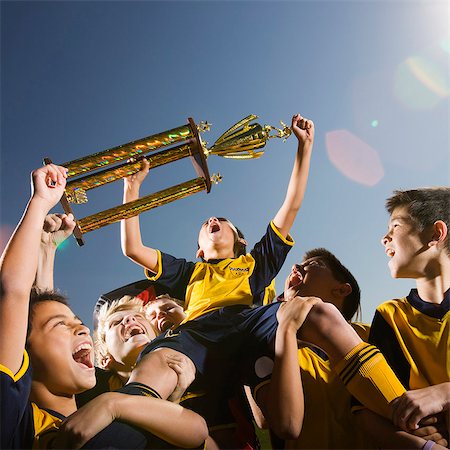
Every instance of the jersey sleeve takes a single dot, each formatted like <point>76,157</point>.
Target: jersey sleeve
<point>383,336</point>
<point>16,413</point>
<point>173,276</point>
<point>269,255</point>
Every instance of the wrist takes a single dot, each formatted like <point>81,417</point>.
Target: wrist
<point>131,193</point>
<point>40,203</point>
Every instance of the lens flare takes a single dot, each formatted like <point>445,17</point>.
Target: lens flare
<point>421,82</point>
<point>353,157</point>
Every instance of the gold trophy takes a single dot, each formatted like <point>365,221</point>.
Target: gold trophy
<point>244,140</point>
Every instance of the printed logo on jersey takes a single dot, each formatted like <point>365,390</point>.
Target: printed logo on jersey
<point>239,270</point>
<point>171,333</point>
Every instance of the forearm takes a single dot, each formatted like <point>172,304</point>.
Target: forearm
<point>19,260</point>
<point>45,269</point>
<point>170,422</point>
<point>282,402</point>
<point>384,434</point>
<point>285,217</point>
<point>18,269</point>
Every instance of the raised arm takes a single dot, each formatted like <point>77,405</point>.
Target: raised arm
<point>304,131</point>
<point>57,228</point>
<point>281,400</point>
<point>131,240</point>
<point>171,422</point>
<point>19,262</point>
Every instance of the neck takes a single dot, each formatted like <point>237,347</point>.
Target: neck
<point>40,395</point>
<point>433,287</point>
<point>218,253</point>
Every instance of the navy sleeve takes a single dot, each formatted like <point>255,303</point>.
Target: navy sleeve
<point>269,255</point>
<point>16,413</point>
<point>383,336</point>
<point>174,275</point>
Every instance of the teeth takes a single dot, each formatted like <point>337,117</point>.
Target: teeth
<point>85,346</point>
<point>133,331</point>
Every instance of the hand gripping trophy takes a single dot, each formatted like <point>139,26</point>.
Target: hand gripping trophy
<point>244,140</point>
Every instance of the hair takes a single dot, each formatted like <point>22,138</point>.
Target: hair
<point>163,296</point>
<point>239,248</point>
<point>125,303</point>
<point>425,206</point>
<point>38,296</point>
<point>352,303</point>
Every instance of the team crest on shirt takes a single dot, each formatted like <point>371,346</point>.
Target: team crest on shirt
<point>171,333</point>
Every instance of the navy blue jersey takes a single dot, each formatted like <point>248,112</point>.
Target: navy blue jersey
<point>23,424</point>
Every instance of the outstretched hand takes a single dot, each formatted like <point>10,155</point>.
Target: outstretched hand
<point>133,182</point>
<point>303,129</point>
<point>48,183</point>
<point>57,228</point>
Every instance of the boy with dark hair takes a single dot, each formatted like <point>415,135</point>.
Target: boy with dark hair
<point>327,422</point>
<point>413,331</point>
<point>59,348</point>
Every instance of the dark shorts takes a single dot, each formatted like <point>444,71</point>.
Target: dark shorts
<point>221,343</point>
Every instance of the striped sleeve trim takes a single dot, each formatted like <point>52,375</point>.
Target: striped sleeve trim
<point>287,240</point>
<point>22,370</point>
<point>139,389</point>
<point>356,363</point>
<point>259,386</point>
<point>150,275</point>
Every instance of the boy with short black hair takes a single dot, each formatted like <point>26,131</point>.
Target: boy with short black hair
<point>412,332</point>
<point>59,347</point>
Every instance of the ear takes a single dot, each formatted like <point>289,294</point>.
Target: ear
<point>342,290</point>
<point>106,361</point>
<point>200,253</point>
<point>242,241</point>
<point>440,233</point>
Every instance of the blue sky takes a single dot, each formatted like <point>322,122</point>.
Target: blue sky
<point>80,77</point>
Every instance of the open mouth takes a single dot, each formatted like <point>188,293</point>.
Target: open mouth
<point>132,331</point>
<point>296,277</point>
<point>164,325</point>
<point>214,228</point>
<point>82,355</point>
<point>390,252</point>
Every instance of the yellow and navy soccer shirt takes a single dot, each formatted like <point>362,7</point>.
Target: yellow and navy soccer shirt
<point>23,423</point>
<point>207,286</point>
<point>328,421</point>
<point>413,335</point>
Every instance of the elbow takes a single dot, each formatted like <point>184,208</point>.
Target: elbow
<point>201,433</point>
<point>288,429</point>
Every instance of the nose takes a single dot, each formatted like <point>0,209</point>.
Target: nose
<point>385,240</point>
<point>81,329</point>
<point>212,219</point>
<point>296,267</point>
<point>129,318</point>
<point>161,314</point>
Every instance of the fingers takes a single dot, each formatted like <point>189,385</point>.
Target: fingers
<point>56,222</point>
<point>301,122</point>
<point>54,175</point>
<point>53,222</point>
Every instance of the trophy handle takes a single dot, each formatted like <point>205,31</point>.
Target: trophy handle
<point>198,157</point>
<point>68,210</point>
